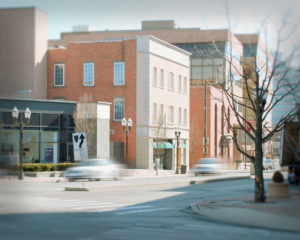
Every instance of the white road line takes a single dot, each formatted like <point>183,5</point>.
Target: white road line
<point>134,207</point>
<point>89,203</point>
<point>141,211</point>
<point>106,206</point>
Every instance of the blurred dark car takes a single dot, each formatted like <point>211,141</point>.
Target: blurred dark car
<point>94,169</point>
<point>207,166</point>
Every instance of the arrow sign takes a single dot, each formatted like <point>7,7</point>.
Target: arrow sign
<point>79,141</point>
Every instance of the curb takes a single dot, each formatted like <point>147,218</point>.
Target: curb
<point>76,189</point>
<point>219,179</point>
<point>280,225</point>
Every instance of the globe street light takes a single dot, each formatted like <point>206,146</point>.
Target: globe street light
<point>126,125</point>
<point>15,115</point>
<point>177,135</point>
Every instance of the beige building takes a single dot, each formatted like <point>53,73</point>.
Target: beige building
<point>23,47</point>
<point>163,100</point>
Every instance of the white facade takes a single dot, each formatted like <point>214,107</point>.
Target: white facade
<point>158,58</point>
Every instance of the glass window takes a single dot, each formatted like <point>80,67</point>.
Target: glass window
<point>154,77</point>
<point>219,73</point>
<point>179,83</point>
<point>185,86</point>
<point>171,81</point>
<point>88,74</point>
<point>179,116</point>
<point>9,146</point>
<point>119,73</point>
<point>170,114</point>
<point>50,120</point>
<point>34,119</point>
<point>154,112</point>
<point>161,112</point>
<point>185,117</point>
<point>59,74</point>
<point>49,136</point>
<point>31,146</point>
<point>196,73</point>
<point>161,78</point>
<point>118,109</point>
<point>207,73</point>
<point>6,118</point>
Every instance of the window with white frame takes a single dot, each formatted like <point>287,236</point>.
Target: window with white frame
<point>161,78</point>
<point>170,114</point>
<point>119,109</point>
<point>184,117</point>
<point>185,86</point>
<point>88,74</point>
<point>161,113</point>
<point>155,112</point>
<point>179,116</point>
<point>154,76</point>
<point>59,74</point>
<point>119,73</point>
<point>171,81</point>
<point>179,83</point>
<point>236,105</point>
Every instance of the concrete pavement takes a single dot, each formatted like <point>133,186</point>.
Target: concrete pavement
<point>275,214</point>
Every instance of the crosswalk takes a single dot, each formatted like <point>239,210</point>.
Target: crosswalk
<point>119,208</point>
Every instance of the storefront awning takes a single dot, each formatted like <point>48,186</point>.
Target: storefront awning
<point>165,145</point>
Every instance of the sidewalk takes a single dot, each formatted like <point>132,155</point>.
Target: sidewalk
<point>275,214</point>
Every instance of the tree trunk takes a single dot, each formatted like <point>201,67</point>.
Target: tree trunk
<point>259,179</point>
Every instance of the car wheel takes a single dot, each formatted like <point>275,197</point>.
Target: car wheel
<point>97,179</point>
<point>71,179</point>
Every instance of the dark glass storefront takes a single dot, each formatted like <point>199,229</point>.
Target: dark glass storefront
<point>47,138</point>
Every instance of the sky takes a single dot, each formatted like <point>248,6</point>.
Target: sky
<point>245,16</point>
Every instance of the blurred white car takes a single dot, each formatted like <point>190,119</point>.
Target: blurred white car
<point>207,166</point>
<point>94,169</point>
<point>268,163</point>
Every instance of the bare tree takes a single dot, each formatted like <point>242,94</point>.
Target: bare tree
<point>260,99</point>
<point>159,137</point>
<point>85,120</point>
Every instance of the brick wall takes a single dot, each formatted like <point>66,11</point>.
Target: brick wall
<point>103,55</point>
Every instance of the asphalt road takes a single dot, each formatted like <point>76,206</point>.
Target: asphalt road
<point>43,210</point>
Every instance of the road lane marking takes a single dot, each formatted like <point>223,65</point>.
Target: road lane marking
<point>105,206</point>
<point>135,207</point>
<point>141,211</point>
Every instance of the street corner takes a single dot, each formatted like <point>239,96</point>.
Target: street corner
<point>245,212</point>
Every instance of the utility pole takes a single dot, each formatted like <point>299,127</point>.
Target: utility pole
<point>205,120</point>
<point>245,158</point>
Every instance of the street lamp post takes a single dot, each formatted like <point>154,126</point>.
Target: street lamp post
<point>126,125</point>
<point>177,135</point>
<point>15,115</point>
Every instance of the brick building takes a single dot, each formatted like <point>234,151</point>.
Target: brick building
<point>207,65</point>
<point>142,77</point>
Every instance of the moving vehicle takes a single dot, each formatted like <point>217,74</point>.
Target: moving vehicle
<point>265,164</point>
<point>290,150</point>
<point>207,166</point>
<point>268,163</point>
<point>94,169</point>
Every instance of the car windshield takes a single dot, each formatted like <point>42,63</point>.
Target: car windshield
<point>208,161</point>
